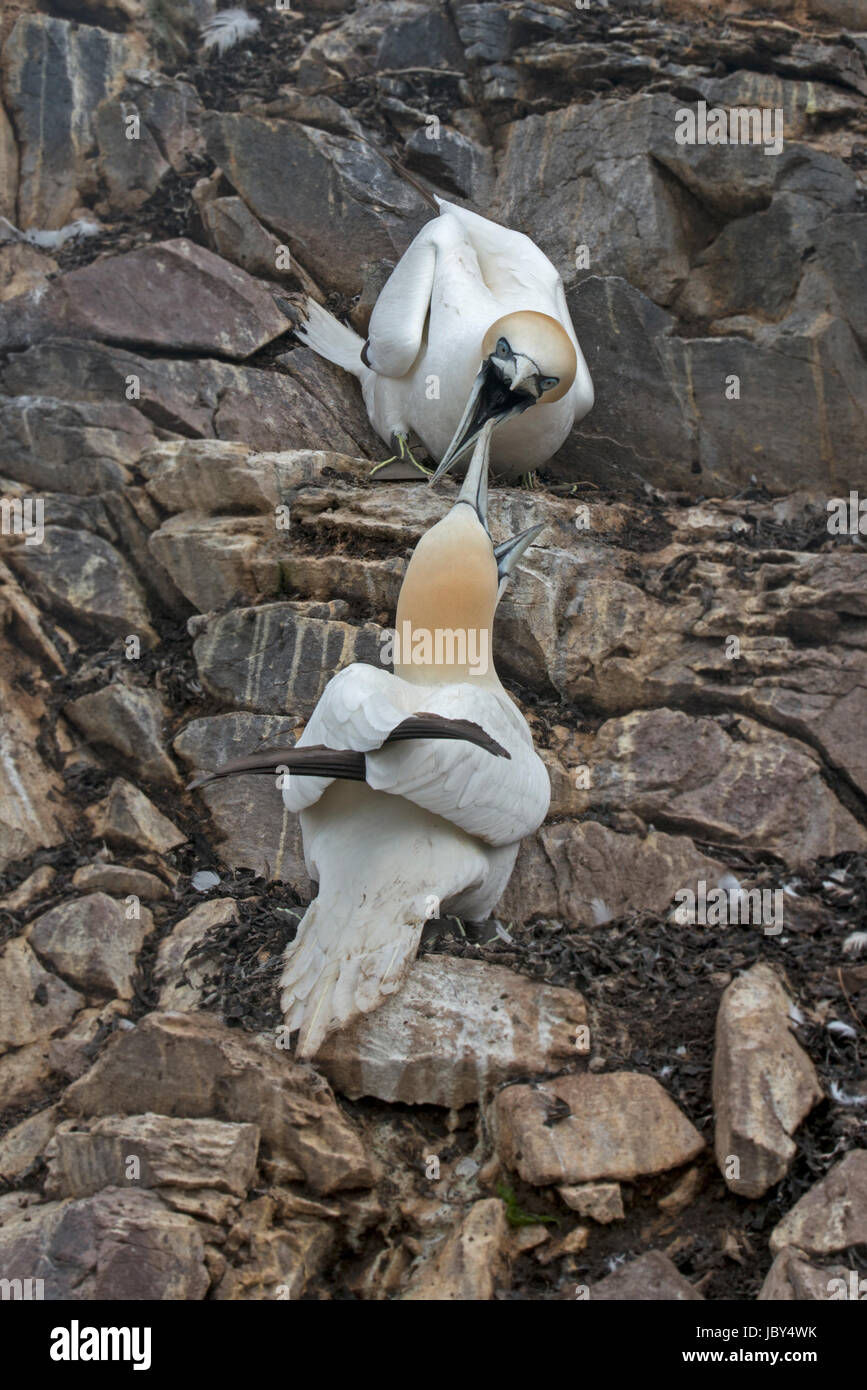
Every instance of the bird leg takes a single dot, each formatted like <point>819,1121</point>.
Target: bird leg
<point>404,456</point>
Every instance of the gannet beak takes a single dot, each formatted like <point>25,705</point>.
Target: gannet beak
<point>508,553</point>
<point>474,490</point>
<point>491,399</point>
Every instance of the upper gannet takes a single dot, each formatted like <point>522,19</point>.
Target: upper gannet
<point>417,787</point>
<point>472,325</point>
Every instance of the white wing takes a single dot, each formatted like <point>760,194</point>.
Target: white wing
<point>499,800</point>
<point>399,315</point>
<point>510,262</point>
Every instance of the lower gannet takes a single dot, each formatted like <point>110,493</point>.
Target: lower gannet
<point>471,326</point>
<point>414,789</point>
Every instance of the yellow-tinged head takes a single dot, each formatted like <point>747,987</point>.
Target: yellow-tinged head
<point>528,359</point>
<point>533,352</point>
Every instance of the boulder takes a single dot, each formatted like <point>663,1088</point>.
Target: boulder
<point>87,1155</point>
<point>764,1084</point>
<point>93,942</point>
<point>454,1030</point>
<point>192,1066</point>
<point>117,1245</point>
<point>576,1129</point>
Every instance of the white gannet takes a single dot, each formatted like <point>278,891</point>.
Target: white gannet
<point>472,325</point>
<point>415,788</point>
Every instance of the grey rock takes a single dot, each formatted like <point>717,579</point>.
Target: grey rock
<point>131,720</point>
<point>169,119</point>
<point>173,295</point>
<point>71,446</point>
<point>34,1003</point>
<point>650,1278</point>
<point>201,398</point>
<point>87,1155</point>
<point>118,1245</point>
<point>455,1029</point>
<point>452,162</point>
<point>56,74</point>
<point>275,660</point>
<point>191,1065</point>
<point>255,830</point>
<point>378,213</point>
<point>86,581</point>
<point>93,941</point>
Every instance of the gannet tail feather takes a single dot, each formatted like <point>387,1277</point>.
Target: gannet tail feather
<point>332,339</point>
<point>336,970</point>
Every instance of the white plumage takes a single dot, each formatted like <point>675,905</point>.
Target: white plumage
<point>427,349</point>
<point>436,825</point>
<point>228,27</point>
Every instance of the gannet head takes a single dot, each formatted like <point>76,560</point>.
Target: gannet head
<point>527,358</point>
<point>455,580</point>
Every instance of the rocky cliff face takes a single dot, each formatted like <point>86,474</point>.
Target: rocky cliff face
<point>192,545</point>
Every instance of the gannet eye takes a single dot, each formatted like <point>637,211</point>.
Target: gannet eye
<point>547,383</point>
<point>502,349</point>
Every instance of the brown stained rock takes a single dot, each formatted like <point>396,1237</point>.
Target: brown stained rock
<point>34,1003</point>
<point>471,1263</point>
<point>130,720</point>
<point>30,888</point>
<point>119,880</point>
<point>570,1244</point>
<point>455,1029</point>
<point>620,1125</point>
<point>117,1245</point>
<point>794,1278</point>
<point>764,1084</point>
<point>191,1065</point>
<point>8,167</point>
<point>588,873</point>
<point>24,1075</point>
<point>86,1156</point>
<point>234,233</point>
<point>255,830</point>
<point>273,1261</point>
<point>650,1278</point>
<point>24,1143</point>
<point>832,1215</point>
<point>181,983</point>
<point>72,1053</point>
<point>22,267</point>
<point>126,817</point>
<point>214,475</point>
<point>171,296</point>
<point>601,1201</point>
<point>218,562</point>
<point>93,941</point>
